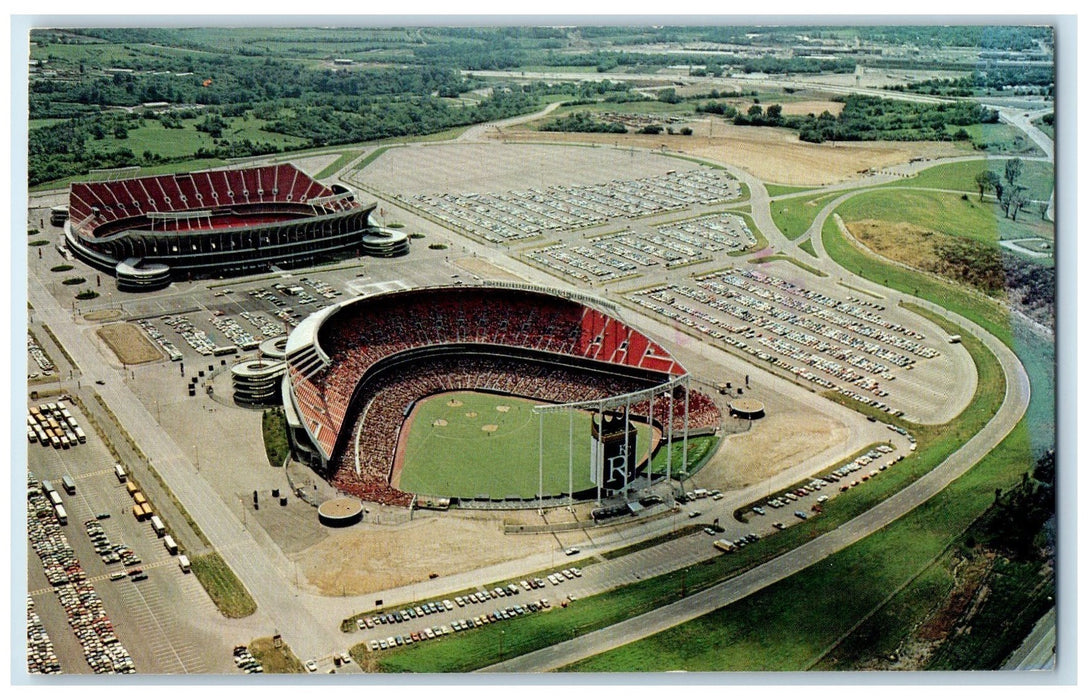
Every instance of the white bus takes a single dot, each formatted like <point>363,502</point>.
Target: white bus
<point>183,563</point>
<point>170,544</point>
<point>62,515</point>
<point>157,526</point>
<point>120,472</point>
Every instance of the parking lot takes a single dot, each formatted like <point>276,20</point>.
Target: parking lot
<point>161,624</point>
<point>833,341</point>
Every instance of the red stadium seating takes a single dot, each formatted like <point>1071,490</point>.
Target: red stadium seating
<point>95,204</point>
<point>363,333</point>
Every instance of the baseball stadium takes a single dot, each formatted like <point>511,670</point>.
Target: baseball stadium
<point>505,395</point>
<point>148,231</point>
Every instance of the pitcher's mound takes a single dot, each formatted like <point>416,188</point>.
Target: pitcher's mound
<point>440,423</point>
<point>471,414</point>
<point>489,428</point>
<point>502,409</point>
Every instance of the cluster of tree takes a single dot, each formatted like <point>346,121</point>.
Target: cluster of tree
<point>583,122</point>
<point>723,108</point>
<point>240,81</point>
<point>865,118</point>
<point>1015,523</point>
<point>993,37</point>
<point>1011,195</point>
<point>945,87</point>
<point>1031,287</point>
<point>755,116</point>
<point>325,125</point>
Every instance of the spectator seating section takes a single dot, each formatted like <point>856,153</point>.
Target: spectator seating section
<point>229,193</point>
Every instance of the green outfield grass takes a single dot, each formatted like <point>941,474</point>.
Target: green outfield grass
<point>461,459</point>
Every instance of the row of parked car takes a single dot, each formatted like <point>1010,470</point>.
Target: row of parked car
<point>40,657</point>
<point>461,625</point>
<point>86,614</point>
<point>110,553</point>
<point>439,606</point>
<point>245,660</point>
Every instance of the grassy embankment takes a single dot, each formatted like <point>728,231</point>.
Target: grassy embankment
<point>1037,177</point>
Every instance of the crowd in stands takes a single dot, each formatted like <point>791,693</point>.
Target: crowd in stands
<point>364,464</point>
<point>364,333</point>
<point>96,205</point>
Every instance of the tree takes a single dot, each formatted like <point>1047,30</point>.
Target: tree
<point>1012,200</point>
<point>986,180</point>
<point>1013,169</point>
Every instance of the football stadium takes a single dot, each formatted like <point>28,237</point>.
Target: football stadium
<point>148,231</point>
<point>506,395</point>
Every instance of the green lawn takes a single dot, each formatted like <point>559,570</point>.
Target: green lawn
<point>700,449</point>
<point>998,139</point>
<point>945,213</point>
<point>793,261</point>
<point>806,245</point>
<point>794,215</point>
<point>779,190</point>
<point>761,240</point>
<point>1037,177</point>
<point>179,143</point>
<point>274,430</point>
<point>335,166</point>
<point>790,625</point>
<point>223,586</point>
<point>461,459</point>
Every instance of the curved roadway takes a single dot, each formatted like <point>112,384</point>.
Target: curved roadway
<point>301,619</point>
<point>1013,407</point>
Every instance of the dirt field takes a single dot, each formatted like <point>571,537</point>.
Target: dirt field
<point>129,344</point>
<point>358,561</point>
<point>780,441</point>
<point>773,155</point>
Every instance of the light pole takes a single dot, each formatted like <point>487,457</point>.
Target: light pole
<point>502,636</point>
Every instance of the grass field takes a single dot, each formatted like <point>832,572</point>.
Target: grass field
<point>1038,177</point>
<point>226,591</point>
<point>998,139</point>
<point>153,137</point>
<point>794,216</point>
<point>463,444</point>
